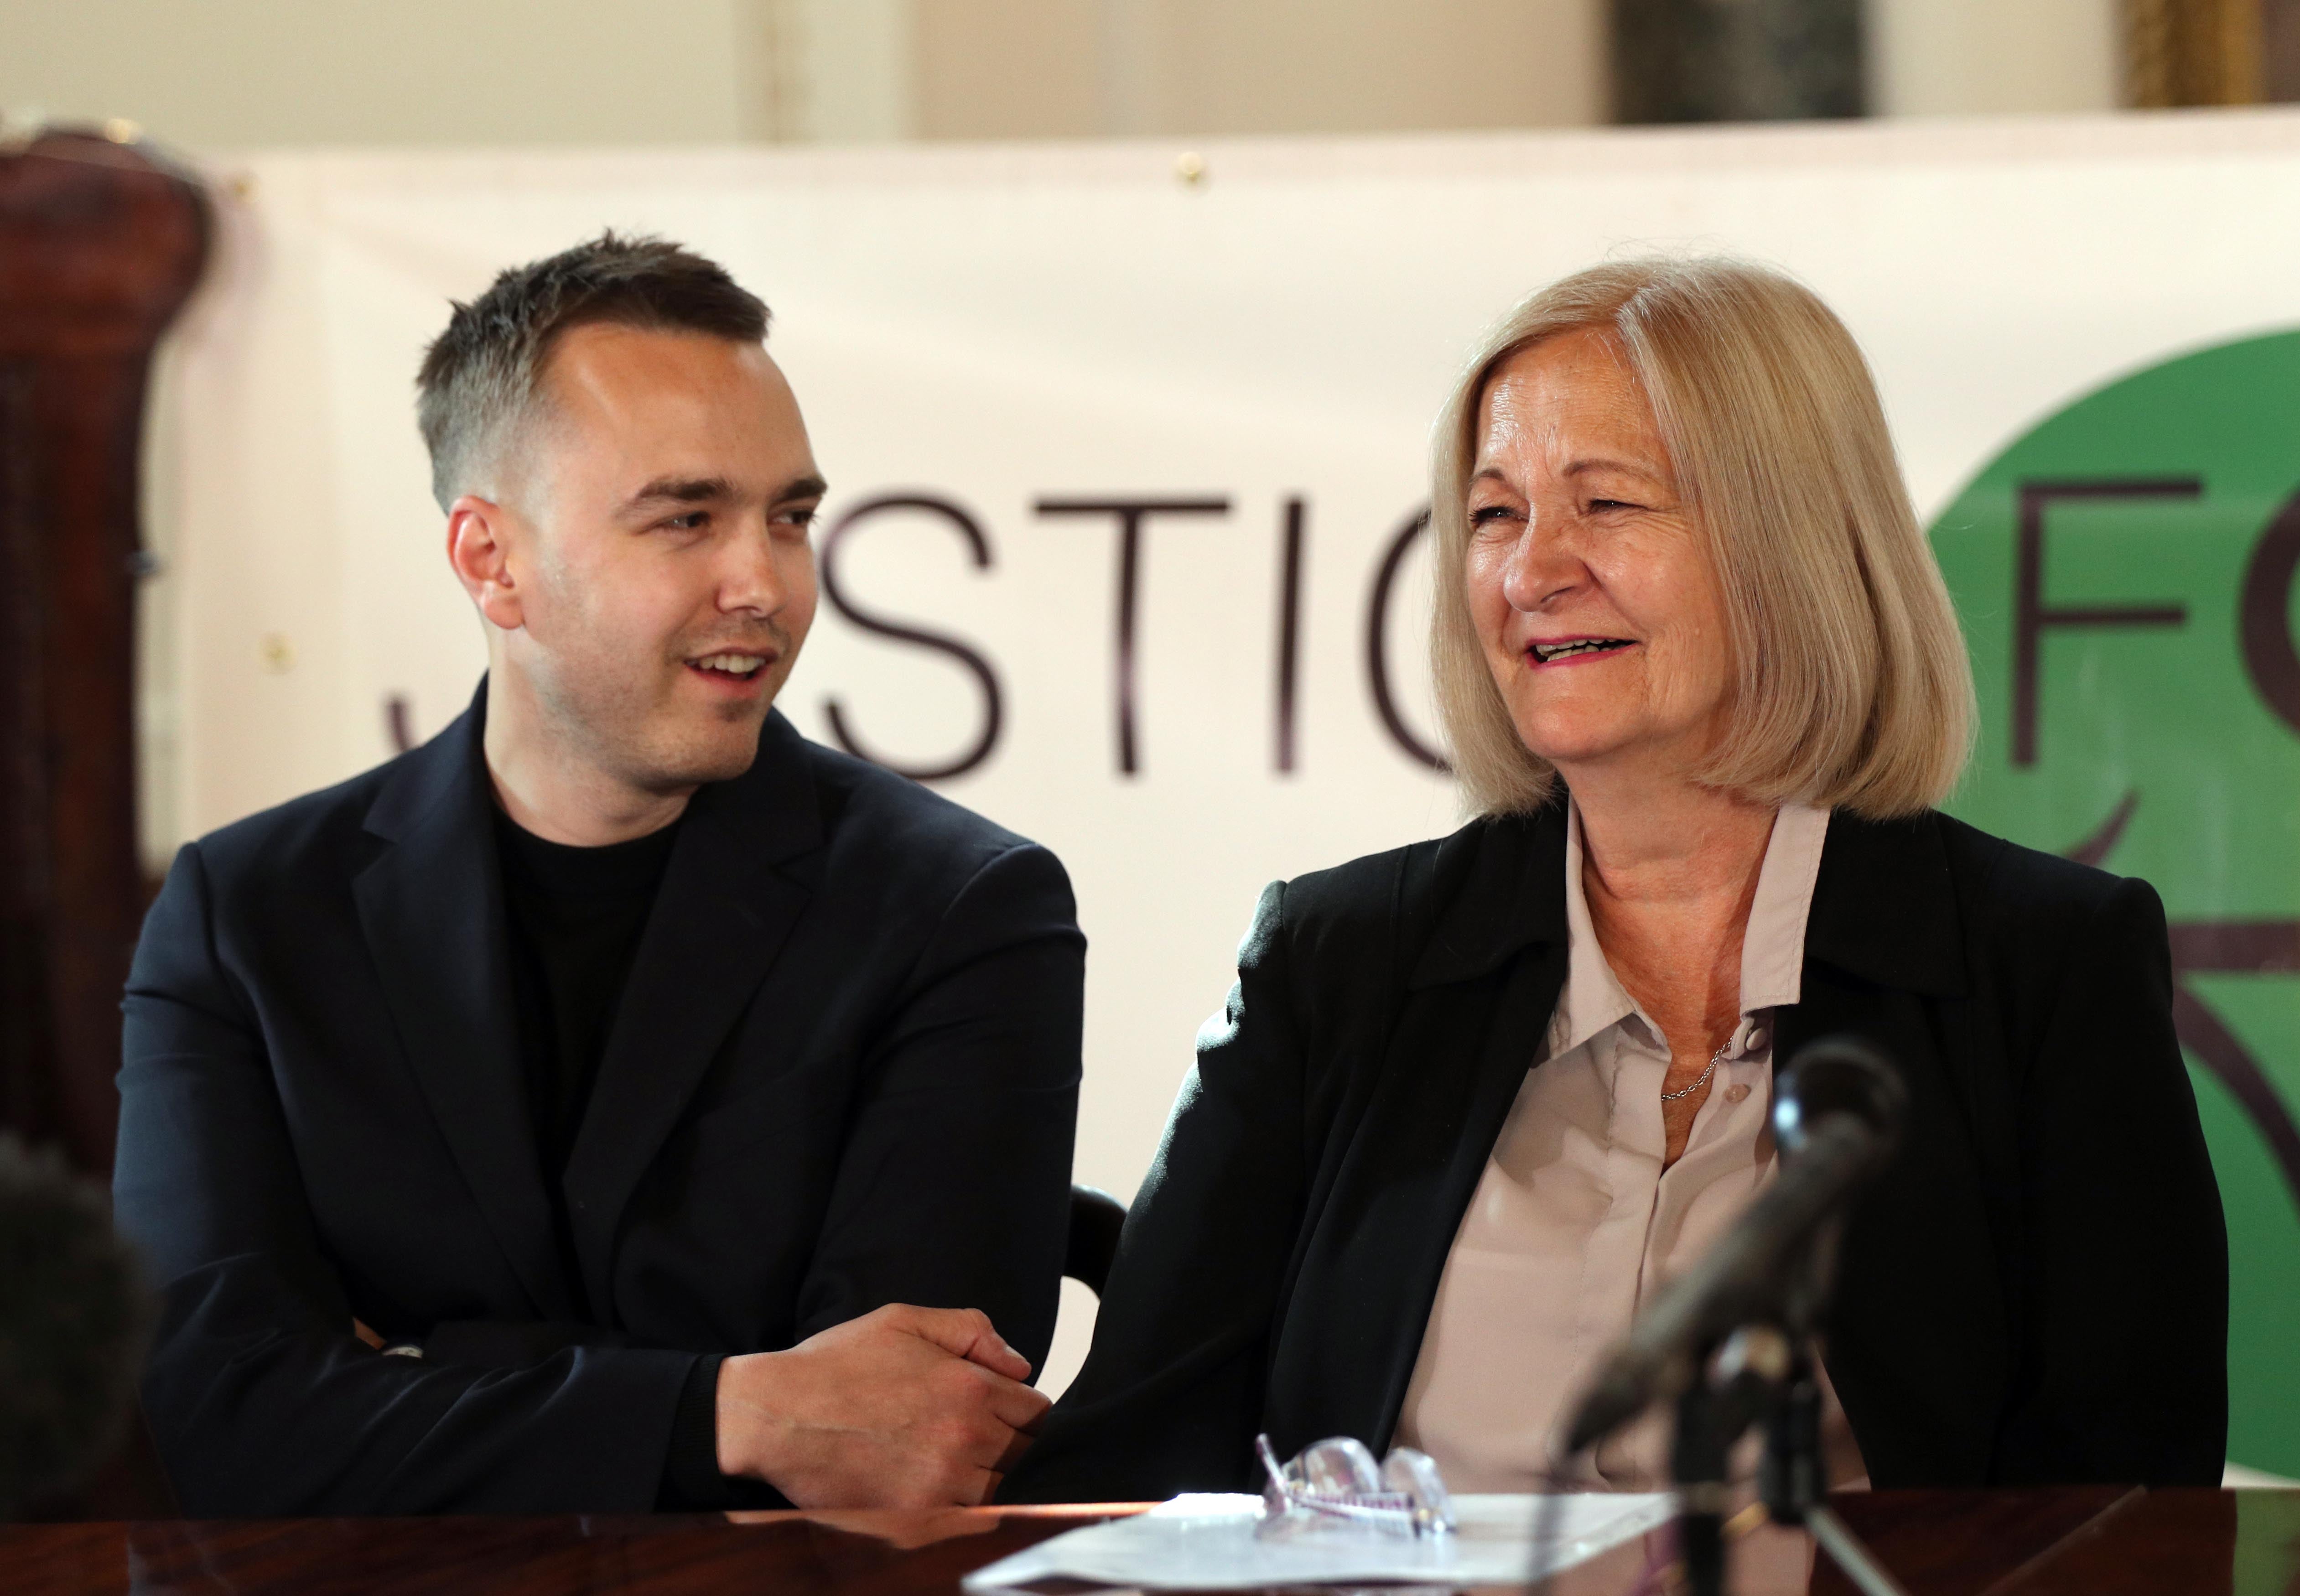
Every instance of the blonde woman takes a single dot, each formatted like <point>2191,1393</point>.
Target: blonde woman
<point>1471,1101</point>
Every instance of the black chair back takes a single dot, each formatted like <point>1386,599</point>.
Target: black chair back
<point>1096,1219</point>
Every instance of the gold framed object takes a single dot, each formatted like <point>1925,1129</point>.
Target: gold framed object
<point>2193,53</point>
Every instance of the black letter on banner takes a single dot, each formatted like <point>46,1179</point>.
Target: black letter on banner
<point>2031,614</point>
<point>992,712</point>
<point>1377,645</point>
<point>1131,514</point>
<point>2264,615</point>
<point>1289,629</point>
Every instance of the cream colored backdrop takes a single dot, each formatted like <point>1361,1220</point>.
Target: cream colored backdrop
<point>1002,326</point>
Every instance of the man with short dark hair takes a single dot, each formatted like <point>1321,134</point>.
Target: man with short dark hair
<point>619,1101</point>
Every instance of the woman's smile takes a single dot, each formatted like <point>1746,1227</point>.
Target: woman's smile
<point>1549,654</point>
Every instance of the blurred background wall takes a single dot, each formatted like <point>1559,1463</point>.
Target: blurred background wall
<point>216,77</point>
<point>238,73</point>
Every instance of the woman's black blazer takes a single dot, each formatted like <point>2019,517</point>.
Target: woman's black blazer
<point>2035,1291</point>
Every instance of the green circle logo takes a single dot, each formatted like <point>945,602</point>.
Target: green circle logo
<point>2125,575</point>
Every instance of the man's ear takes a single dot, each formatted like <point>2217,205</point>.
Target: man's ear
<point>477,530</point>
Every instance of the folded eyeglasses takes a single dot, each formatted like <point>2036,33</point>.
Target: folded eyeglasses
<point>1336,1484</point>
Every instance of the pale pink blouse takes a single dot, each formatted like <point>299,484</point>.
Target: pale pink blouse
<point>1575,1224</point>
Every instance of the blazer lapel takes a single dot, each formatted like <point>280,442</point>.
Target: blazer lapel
<point>1881,937</point>
<point>1479,998</point>
<point>742,872</point>
<point>432,907</point>
<point>1884,961</point>
<point>1884,906</point>
<point>1884,948</point>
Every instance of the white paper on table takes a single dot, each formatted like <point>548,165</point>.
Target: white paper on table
<point>1208,1543</point>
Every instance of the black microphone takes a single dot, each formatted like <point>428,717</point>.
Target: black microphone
<point>1837,1113</point>
<point>74,1317</point>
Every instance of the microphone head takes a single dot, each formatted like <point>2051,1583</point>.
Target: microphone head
<point>1838,1075</point>
<point>73,1323</point>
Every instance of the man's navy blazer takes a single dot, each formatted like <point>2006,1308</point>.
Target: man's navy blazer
<point>843,1073</point>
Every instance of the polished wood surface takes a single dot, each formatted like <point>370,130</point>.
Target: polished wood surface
<point>2103,1542</point>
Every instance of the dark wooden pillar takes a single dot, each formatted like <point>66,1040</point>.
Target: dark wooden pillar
<point>99,246</point>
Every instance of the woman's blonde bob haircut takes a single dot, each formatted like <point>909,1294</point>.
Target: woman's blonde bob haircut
<point>1850,683</point>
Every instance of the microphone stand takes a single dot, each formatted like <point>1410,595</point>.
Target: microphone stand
<point>1735,1385</point>
<point>1696,1465</point>
<point>1791,1481</point>
<point>1732,1338</point>
<point>1713,1413</point>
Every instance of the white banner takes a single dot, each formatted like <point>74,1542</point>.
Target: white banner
<point>1131,454</point>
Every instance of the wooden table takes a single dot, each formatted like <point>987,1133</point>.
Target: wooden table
<point>2098,1542</point>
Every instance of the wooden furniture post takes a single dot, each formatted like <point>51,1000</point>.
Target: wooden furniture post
<point>99,247</point>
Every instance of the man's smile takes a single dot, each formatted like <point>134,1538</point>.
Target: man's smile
<point>730,669</point>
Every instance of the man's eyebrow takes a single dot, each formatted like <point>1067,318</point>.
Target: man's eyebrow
<point>681,490</point>
<point>803,487</point>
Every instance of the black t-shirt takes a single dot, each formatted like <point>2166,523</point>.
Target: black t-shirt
<point>576,914</point>
<point>575,917</point>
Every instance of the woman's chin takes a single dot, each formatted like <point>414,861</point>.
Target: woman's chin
<point>1568,747</point>
<point>1670,750</point>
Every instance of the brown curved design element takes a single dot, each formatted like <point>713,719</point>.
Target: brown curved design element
<point>2203,1034</point>
<point>2223,947</point>
<point>2096,847</point>
<point>2264,615</point>
<point>99,246</point>
<point>2239,947</point>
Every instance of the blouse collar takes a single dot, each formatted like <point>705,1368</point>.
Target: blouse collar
<point>1772,947</point>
